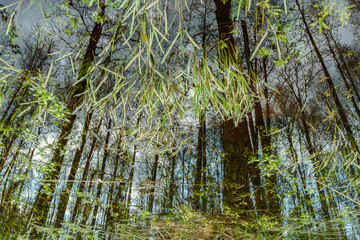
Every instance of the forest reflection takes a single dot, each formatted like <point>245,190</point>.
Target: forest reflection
<point>180,119</point>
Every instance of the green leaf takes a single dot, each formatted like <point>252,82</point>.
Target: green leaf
<point>258,46</point>
<point>169,49</point>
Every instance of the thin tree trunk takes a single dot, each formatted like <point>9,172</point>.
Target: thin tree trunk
<point>357,110</point>
<point>7,110</point>
<point>7,191</point>
<point>172,181</point>
<point>204,165</point>
<point>308,202</point>
<point>311,149</point>
<point>199,162</point>
<point>353,84</point>
<point>153,182</point>
<point>340,108</point>
<point>26,173</point>
<point>113,199</point>
<point>132,170</point>
<point>131,178</point>
<point>101,175</point>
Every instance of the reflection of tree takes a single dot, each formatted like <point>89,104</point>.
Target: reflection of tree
<point>153,123</point>
<point>44,199</point>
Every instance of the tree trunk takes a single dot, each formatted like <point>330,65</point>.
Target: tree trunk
<point>204,165</point>
<point>153,182</point>
<point>85,174</point>
<point>237,149</point>
<point>199,164</point>
<point>340,108</point>
<point>65,195</point>
<point>338,65</point>
<point>236,139</point>
<point>172,181</point>
<point>131,175</point>
<point>225,28</point>
<point>113,200</point>
<point>259,132</point>
<point>101,175</point>
<point>353,84</point>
